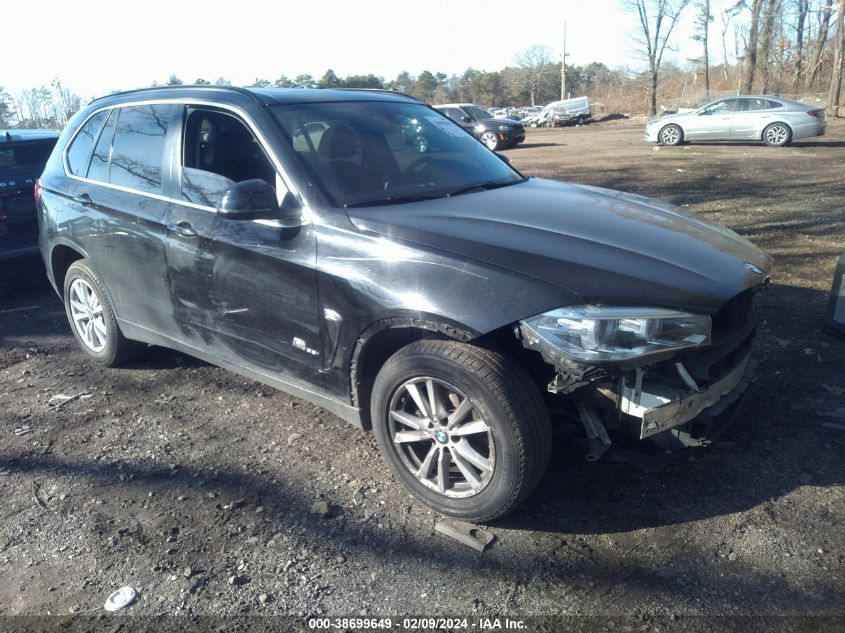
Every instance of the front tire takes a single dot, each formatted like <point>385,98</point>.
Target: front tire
<point>490,140</point>
<point>671,135</point>
<point>777,135</point>
<point>92,319</point>
<point>464,429</point>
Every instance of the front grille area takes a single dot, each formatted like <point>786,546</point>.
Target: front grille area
<point>733,328</point>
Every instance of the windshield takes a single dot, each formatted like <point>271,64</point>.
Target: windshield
<point>479,114</point>
<point>376,152</point>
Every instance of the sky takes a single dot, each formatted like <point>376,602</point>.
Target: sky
<point>96,46</point>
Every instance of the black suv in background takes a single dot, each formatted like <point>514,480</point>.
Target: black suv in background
<point>23,154</point>
<point>494,133</point>
<point>361,251</point>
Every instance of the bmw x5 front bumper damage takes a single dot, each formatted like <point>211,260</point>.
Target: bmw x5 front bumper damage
<point>628,412</point>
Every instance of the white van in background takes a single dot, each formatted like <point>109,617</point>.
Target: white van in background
<point>566,112</point>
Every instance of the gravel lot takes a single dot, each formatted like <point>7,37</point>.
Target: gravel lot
<point>198,487</point>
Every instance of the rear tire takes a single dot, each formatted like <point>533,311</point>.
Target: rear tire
<point>777,135</point>
<point>464,429</point>
<point>92,318</point>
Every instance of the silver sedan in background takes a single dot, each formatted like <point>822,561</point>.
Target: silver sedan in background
<point>774,120</point>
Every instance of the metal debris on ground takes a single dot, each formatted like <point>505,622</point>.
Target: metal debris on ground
<point>466,533</point>
<point>22,430</point>
<point>121,599</point>
<point>63,399</point>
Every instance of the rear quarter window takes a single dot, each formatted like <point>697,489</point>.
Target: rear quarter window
<point>79,153</point>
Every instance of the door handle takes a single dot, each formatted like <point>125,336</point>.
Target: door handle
<point>183,229</point>
<point>84,199</point>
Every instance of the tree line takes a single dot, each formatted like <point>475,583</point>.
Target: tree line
<point>787,47</point>
<point>794,47</point>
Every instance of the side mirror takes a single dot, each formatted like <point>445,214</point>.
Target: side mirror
<point>255,199</point>
<point>466,119</point>
<point>704,113</point>
<point>503,158</point>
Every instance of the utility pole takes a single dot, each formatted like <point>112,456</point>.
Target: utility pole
<point>563,66</point>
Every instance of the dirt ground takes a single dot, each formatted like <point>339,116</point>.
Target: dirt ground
<point>196,486</point>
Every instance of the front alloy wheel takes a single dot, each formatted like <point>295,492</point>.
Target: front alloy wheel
<point>671,135</point>
<point>463,428</point>
<point>490,140</point>
<point>441,437</point>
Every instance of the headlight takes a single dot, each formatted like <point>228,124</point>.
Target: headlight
<point>503,128</point>
<point>590,333</point>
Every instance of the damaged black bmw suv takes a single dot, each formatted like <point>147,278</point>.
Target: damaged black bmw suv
<point>361,251</point>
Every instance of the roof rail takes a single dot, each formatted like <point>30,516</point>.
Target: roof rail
<point>387,90</point>
<point>237,89</point>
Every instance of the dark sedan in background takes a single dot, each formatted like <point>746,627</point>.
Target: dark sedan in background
<point>494,133</point>
<point>23,154</point>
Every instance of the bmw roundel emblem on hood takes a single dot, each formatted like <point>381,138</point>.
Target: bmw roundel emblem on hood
<point>754,269</point>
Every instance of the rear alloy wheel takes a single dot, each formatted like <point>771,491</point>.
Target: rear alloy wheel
<point>490,140</point>
<point>462,428</point>
<point>671,135</point>
<point>92,319</point>
<point>777,135</point>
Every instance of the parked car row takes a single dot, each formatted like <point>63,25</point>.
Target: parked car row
<point>361,251</point>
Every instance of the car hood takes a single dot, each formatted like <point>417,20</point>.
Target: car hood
<point>673,117</point>
<point>605,246</point>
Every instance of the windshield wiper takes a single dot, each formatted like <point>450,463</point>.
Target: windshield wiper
<point>380,202</point>
<point>485,186</point>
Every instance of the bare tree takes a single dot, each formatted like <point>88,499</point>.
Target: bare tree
<point>751,47</point>
<point>728,16</point>
<point>821,40</point>
<point>6,113</point>
<point>702,34</point>
<point>803,10</point>
<point>66,103</point>
<point>835,91</point>
<point>772,10</point>
<point>657,21</point>
<point>535,63</point>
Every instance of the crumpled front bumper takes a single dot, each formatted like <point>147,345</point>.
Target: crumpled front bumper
<point>660,407</point>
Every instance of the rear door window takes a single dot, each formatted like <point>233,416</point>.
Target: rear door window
<point>79,153</point>
<point>138,148</point>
